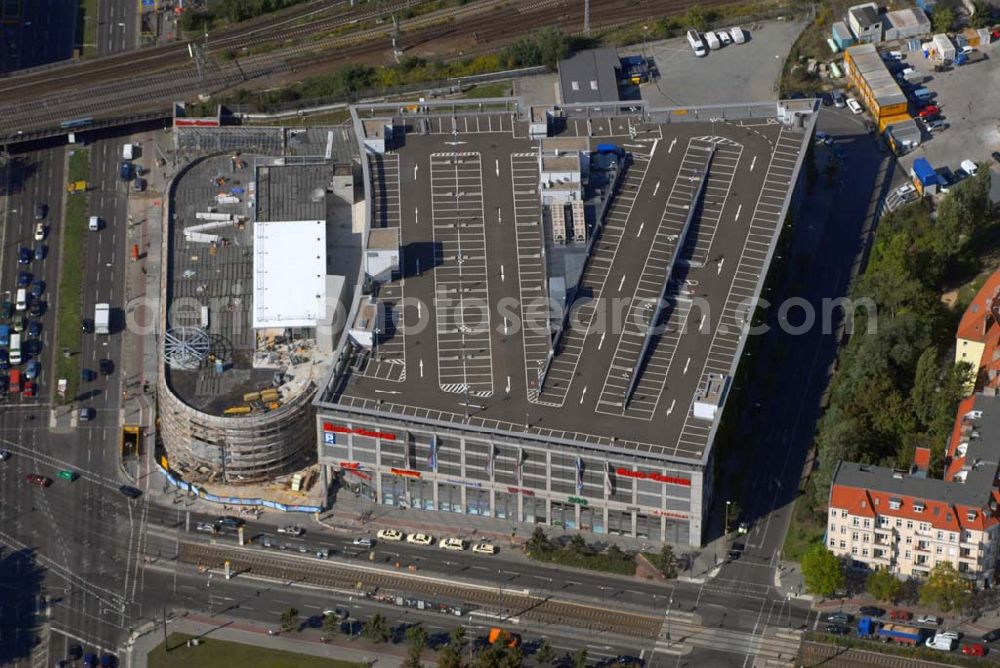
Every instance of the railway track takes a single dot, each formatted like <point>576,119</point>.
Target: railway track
<point>109,86</point>
<point>515,603</point>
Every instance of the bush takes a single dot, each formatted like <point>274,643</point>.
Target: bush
<point>580,555</point>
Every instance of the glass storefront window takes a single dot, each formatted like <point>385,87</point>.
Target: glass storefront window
<point>564,515</point>
<point>619,523</point>
<point>449,498</point>
<point>506,506</point>
<point>534,510</point>
<point>477,502</point>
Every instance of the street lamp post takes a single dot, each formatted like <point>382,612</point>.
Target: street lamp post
<point>727,517</point>
<point>670,604</point>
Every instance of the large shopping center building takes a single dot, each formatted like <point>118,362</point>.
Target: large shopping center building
<point>460,387</point>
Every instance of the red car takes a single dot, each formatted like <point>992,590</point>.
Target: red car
<point>901,614</point>
<point>36,479</point>
<point>975,649</point>
<point>930,113</point>
<point>29,388</point>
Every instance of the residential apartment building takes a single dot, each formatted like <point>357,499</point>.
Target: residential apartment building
<point>906,522</point>
<point>977,340</point>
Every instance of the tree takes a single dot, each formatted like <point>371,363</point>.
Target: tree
<point>884,586</point>
<point>942,18</point>
<point>376,629</point>
<point>539,542</point>
<point>456,638</point>
<point>290,620</point>
<point>580,658</point>
<point>945,588</point>
<point>822,570</point>
<point>514,658</point>
<point>668,562</point>
<point>448,658</point>
<point>491,656</point>
<point>331,625</point>
<point>416,635</point>
<point>577,544</point>
<point>983,15</point>
<point>545,654</point>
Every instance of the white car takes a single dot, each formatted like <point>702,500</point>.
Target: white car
<point>969,167</point>
<point>291,530</point>
<point>456,544</point>
<point>364,541</point>
<point>724,37</point>
<point>419,539</point>
<point>906,191</point>
<point>854,105</point>
<point>928,619</point>
<point>484,548</point>
<point>390,534</point>
<point>39,231</point>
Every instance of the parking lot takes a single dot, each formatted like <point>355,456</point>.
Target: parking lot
<point>968,103</point>
<point>736,73</point>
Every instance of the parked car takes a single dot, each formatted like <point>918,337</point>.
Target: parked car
<point>871,611</point>
<point>837,630</point>
<point>991,636</point>
<point>484,548</point>
<point>419,539</point>
<point>364,541</point>
<point>30,389</point>
<point>854,106</point>
<point>456,544</point>
<point>930,112</point>
<point>929,619</point>
<point>291,530</point>
<point>229,521</point>
<point>900,614</point>
<point>839,618</point>
<point>936,125</point>
<point>390,534</point>
<point>969,167</point>
<point>975,649</point>
<point>32,370</point>
<point>838,99</point>
<point>6,309</point>
<point>736,551</point>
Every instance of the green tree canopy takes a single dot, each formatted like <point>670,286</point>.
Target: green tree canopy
<point>942,18</point>
<point>376,629</point>
<point>822,571</point>
<point>945,589</point>
<point>884,586</point>
<point>290,619</point>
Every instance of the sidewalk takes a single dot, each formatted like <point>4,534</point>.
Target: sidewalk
<point>306,642</point>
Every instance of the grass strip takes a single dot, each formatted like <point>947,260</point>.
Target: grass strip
<point>211,653</point>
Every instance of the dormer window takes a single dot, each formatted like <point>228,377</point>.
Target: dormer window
<point>895,504</point>
<point>918,506</point>
<point>971,516</point>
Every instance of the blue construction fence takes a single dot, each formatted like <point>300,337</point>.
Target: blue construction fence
<point>232,500</point>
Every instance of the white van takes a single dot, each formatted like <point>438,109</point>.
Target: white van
<point>15,349</point>
<point>943,643</point>
<point>21,303</point>
<point>713,41</point>
<point>94,224</point>
<point>127,152</point>
<point>969,167</point>
<point>697,45</point>
<point>737,34</point>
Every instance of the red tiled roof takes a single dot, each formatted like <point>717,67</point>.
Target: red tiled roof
<point>973,326</point>
<point>964,406</point>
<point>922,458</point>
<point>940,515</point>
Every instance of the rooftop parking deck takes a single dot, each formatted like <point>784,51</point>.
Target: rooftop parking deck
<point>468,340</point>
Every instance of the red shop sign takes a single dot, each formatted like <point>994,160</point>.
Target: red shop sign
<point>405,473</point>
<point>651,475</point>
<point>340,429</point>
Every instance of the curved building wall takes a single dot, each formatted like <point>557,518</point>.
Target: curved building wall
<point>235,450</point>
<point>238,449</point>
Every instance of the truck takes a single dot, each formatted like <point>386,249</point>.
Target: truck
<point>131,440</point>
<point>611,148</point>
<point>102,318</point>
<point>713,40</point>
<point>969,57</point>
<point>77,187</point>
<point>4,335</point>
<point>867,627</point>
<point>127,152</point>
<point>498,635</point>
<point>904,635</point>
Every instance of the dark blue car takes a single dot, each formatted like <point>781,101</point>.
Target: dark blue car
<point>23,279</point>
<point>34,329</point>
<point>37,288</point>
<point>24,256</point>
<point>41,251</point>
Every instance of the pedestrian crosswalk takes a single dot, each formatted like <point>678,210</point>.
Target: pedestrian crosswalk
<point>682,634</point>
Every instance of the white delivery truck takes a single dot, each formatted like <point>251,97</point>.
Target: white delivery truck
<point>102,318</point>
<point>15,349</point>
<point>738,35</point>
<point>127,152</point>
<point>713,41</point>
<point>697,45</point>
